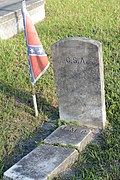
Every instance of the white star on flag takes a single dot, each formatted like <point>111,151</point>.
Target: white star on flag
<point>40,50</point>
<point>32,50</point>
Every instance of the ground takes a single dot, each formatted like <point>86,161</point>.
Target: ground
<point>98,20</point>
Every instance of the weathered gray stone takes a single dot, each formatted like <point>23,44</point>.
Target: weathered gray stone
<point>7,6</point>
<point>78,70</point>
<point>11,21</point>
<point>70,135</point>
<point>44,162</point>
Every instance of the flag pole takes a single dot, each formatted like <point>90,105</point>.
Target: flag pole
<point>37,58</point>
<point>34,101</point>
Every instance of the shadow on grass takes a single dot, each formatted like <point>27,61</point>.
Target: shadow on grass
<point>24,146</point>
<point>25,98</point>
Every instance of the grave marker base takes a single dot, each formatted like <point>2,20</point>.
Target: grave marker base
<point>47,160</point>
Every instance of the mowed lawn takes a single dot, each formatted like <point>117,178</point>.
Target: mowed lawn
<point>95,19</point>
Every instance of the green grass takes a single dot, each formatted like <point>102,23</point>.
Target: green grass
<point>95,19</point>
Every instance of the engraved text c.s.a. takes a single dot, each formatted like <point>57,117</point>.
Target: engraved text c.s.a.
<point>75,60</point>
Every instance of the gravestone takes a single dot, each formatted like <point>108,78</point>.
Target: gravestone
<point>78,70</point>
<point>65,135</point>
<point>49,159</point>
<point>43,163</point>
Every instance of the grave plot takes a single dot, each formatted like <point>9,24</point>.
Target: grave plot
<point>78,70</point>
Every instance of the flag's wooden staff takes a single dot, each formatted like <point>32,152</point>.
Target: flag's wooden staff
<point>34,101</point>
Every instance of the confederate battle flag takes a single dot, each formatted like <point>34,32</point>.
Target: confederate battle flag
<point>37,58</point>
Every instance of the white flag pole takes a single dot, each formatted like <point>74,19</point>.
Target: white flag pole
<point>34,102</point>
<point>33,89</point>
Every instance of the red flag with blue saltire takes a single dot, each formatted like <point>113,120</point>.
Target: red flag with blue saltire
<point>37,58</point>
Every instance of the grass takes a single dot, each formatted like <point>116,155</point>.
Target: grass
<point>95,19</point>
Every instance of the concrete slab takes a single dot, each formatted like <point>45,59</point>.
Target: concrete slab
<point>44,162</point>
<point>11,18</point>
<point>11,6</point>
<point>70,135</point>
